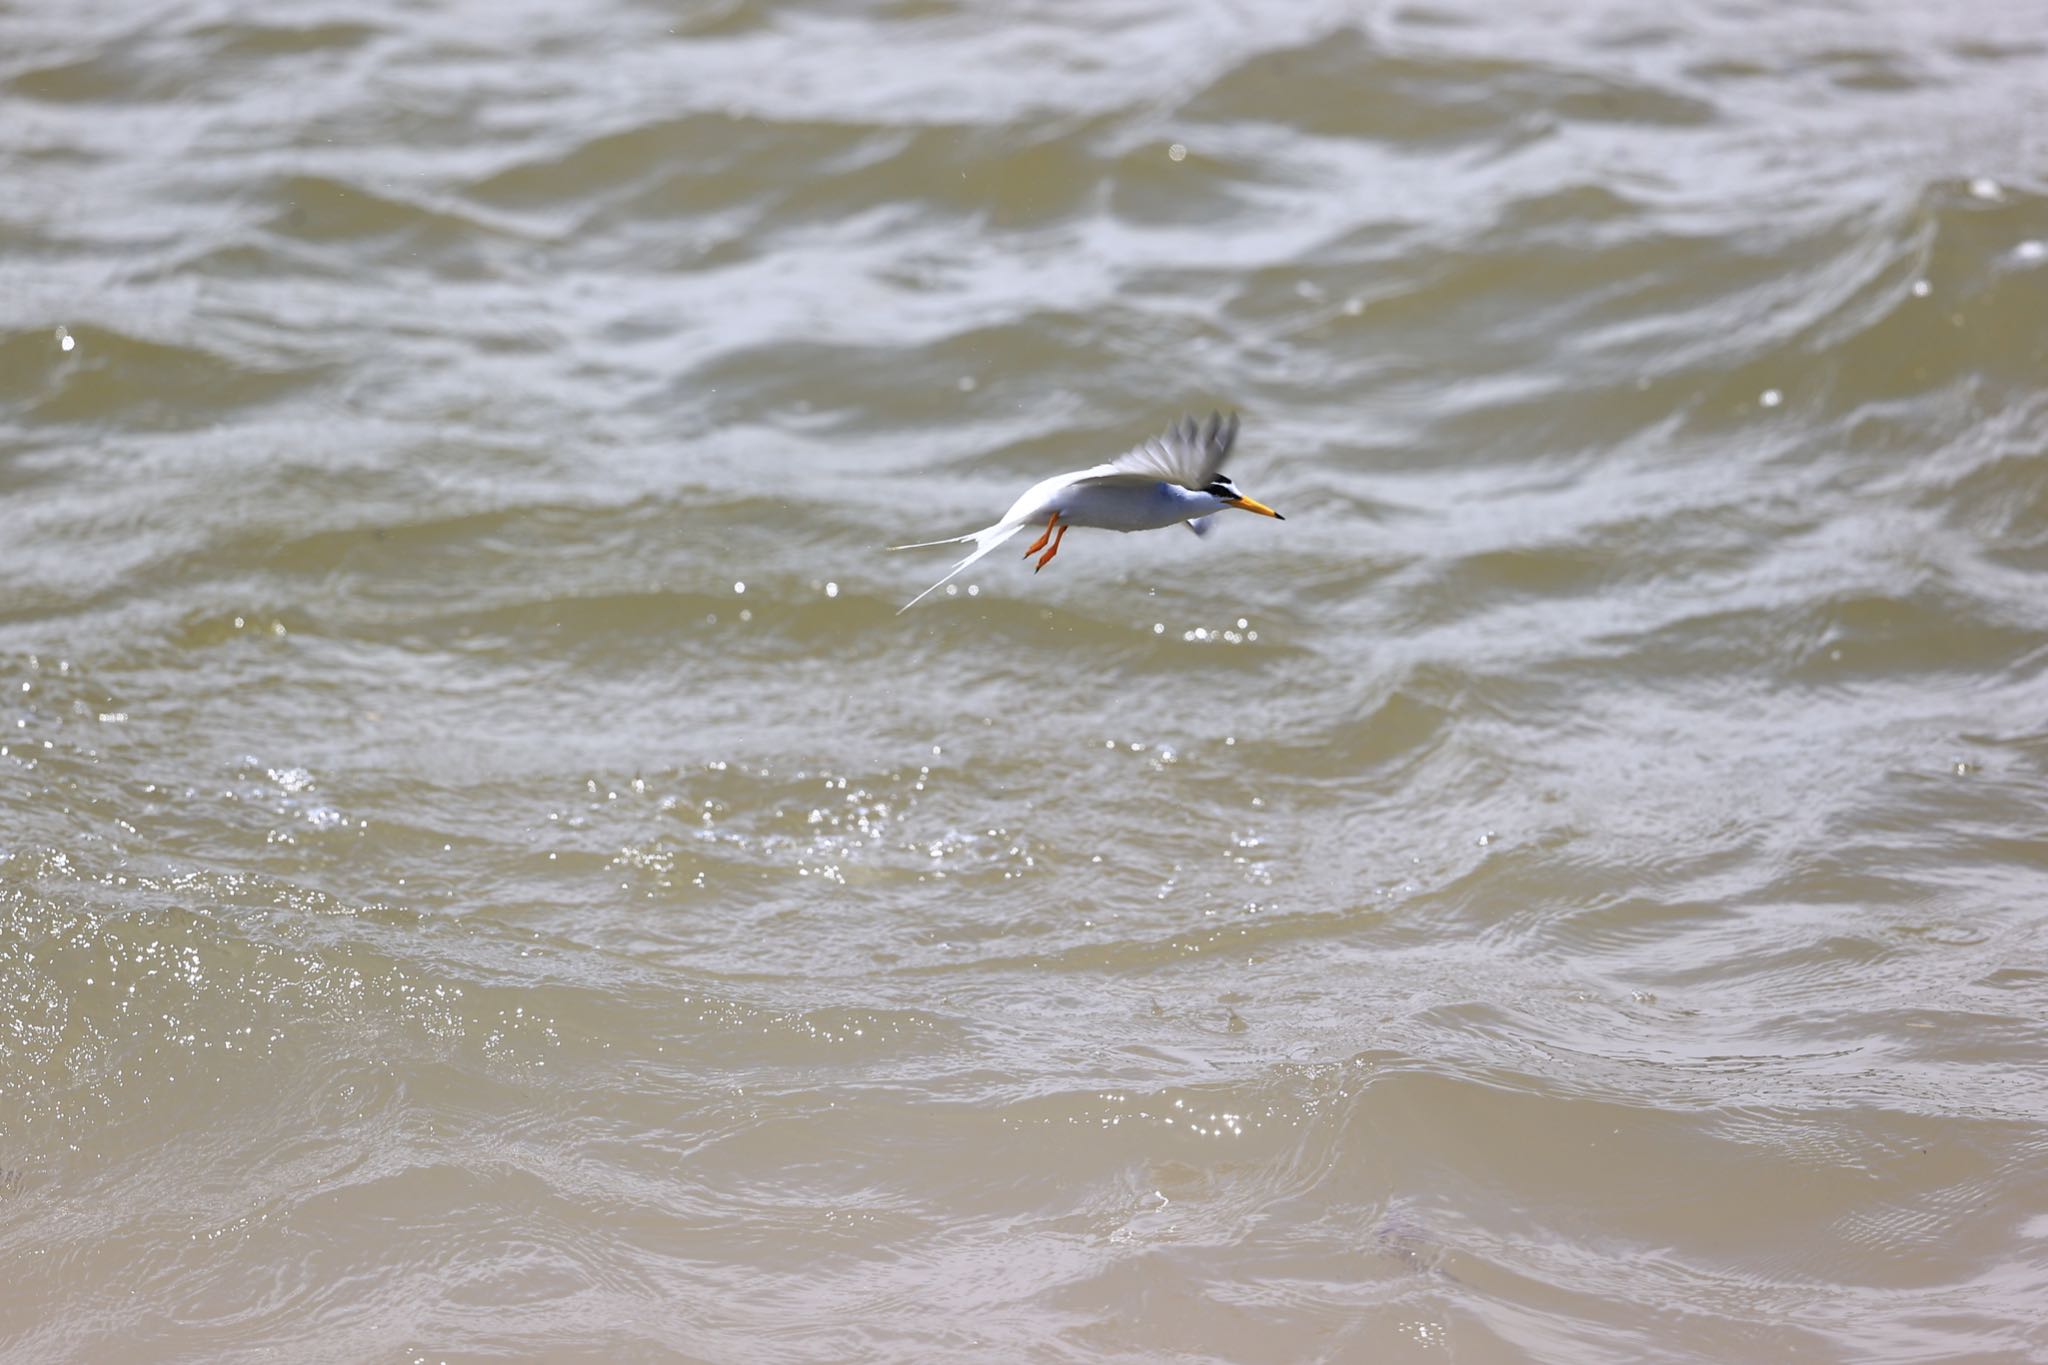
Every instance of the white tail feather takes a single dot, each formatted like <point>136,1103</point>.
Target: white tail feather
<point>949,540</point>
<point>984,540</point>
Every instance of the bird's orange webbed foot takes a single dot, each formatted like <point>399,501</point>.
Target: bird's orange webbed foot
<point>1039,543</point>
<point>1054,550</point>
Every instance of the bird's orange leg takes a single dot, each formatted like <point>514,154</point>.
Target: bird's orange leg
<point>1039,543</point>
<point>1054,550</point>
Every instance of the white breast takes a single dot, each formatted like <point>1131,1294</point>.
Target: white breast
<point>1129,507</point>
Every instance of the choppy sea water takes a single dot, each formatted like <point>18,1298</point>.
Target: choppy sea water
<point>484,870</point>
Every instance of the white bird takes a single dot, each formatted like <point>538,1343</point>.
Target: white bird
<point>1175,477</point>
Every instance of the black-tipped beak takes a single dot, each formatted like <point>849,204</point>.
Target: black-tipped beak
<point>1254,505</point>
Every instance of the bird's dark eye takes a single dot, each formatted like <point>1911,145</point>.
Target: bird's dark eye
<point>1222,489</point>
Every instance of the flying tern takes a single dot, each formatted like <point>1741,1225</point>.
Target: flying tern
<point>1172,478</point>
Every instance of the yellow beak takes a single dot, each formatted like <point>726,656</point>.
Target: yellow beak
<point>1254,505</point>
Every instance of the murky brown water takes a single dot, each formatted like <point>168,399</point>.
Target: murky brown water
<point>1578,890</point>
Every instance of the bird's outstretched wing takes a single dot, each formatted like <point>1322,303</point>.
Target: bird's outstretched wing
<point>1189,453</point>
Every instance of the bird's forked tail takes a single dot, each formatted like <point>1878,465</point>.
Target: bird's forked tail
<point>984,540</point>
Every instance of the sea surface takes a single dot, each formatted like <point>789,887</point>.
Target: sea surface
<point>486,872</point>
